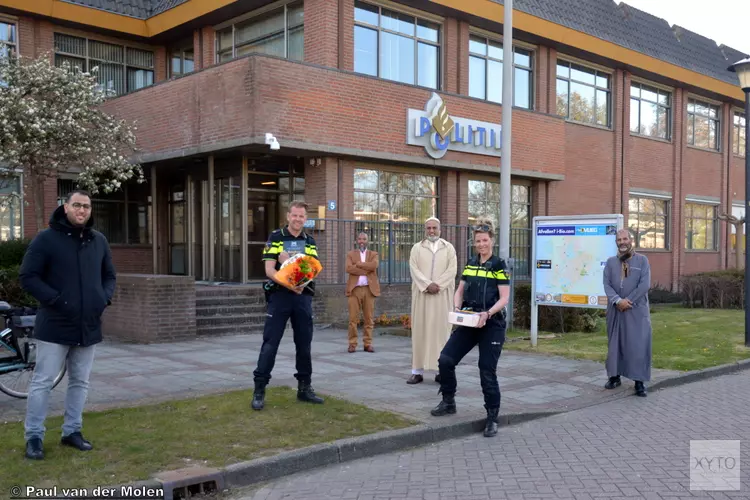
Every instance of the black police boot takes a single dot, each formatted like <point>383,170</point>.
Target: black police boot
<point>446,407</point>
<point>490,427</point>
<point>259,396</point>
<point>306,393</point>
<point>613,382</point>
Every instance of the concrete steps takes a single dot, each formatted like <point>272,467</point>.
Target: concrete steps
<point>229,310</point>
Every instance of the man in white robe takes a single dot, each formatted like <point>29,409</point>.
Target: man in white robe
<point>433,268</point>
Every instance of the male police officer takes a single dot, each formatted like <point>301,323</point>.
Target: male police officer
<point>285,304</point>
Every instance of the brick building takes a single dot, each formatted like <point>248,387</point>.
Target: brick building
<point>615,111</point>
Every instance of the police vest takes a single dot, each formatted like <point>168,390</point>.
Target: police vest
<point>481,282</point>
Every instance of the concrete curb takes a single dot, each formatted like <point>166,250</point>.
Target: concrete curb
<point>344,450</point>
<point>696,375</point>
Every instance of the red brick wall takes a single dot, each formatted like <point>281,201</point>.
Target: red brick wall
<point>322,32</point>
<point>132,259</point>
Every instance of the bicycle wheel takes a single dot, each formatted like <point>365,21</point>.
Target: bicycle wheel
<point>16,383</point>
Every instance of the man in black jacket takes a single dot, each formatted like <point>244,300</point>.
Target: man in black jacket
<point>68,269</point>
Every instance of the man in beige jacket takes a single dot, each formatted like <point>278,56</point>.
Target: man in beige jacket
<point>362,287</point>
<point>433,268</point>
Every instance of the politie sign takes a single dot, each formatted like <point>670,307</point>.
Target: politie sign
<point>438,132</point>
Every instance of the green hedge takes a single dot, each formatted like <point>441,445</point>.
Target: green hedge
<point>11,257</point>
<point>714,290</point>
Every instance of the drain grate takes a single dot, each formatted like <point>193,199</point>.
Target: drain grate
<point>193,490</point>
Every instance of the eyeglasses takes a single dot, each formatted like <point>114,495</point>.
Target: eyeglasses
<point>483,227</point>
<point>79,206</point>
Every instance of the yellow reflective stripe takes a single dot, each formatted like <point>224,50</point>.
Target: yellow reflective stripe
<point>501,275</point>
<point>310,250</point>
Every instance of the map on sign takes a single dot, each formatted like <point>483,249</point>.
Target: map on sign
<point>569,259</point>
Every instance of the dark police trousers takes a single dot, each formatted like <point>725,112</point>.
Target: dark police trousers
<point>490,339</point>
<point>282,306</point>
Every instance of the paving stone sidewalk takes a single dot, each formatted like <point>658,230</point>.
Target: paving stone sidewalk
<point>131,374</point>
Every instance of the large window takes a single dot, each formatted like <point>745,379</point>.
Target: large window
<point>10,208</point>
<point>396,46</point>
<point>484,201</point>
<point>121,69</point>
<point>486,72</point>
<point>703,124</point>
<point>583,94</point>
<point>8,39</point>
<point>279,32</point>
<point>738,134</point>
<point>648,219</point>
<point>739,212</point>
<point>700,226</point>
<point>400,197</point>
<point>650,111</point>
<point>123,217</point>
<point>182,58</point>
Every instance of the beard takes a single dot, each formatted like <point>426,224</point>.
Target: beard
<point>433,239</point>
<point>625,252</point>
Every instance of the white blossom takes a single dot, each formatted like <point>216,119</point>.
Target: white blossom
<point>51,122</point>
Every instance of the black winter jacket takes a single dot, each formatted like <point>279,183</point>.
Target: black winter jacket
<point>69,271</point>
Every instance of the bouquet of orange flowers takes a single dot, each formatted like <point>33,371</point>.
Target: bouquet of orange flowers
<point>299,270</point>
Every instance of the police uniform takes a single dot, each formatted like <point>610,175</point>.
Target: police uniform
<point>481,292</point>
<point>282,305</point>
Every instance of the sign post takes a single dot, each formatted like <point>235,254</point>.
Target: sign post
<point>568,258</point>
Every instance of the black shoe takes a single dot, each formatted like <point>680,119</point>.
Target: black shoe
<point>437,378</point>
<point>613,383</point>
<point>415,379</point>
<point>446,407</point>
<point>490,427</point>
<point>77,441</point>
<point>306,393</point>
<point>34,449</point>
<point>259,396</point>
<point>640,389</point>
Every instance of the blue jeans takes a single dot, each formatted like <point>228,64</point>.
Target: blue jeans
<point>49,361</point>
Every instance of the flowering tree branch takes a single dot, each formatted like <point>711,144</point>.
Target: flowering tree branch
<point>51,122</point>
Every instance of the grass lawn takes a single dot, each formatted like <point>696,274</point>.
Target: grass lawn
<point>134,443</point>
<point>683,339</point>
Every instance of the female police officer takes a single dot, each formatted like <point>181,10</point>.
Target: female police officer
<point>484,289</point>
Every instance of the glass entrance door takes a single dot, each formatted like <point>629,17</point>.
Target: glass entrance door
<point>227,241</point>
<point>262,219</point>
<point>177,230</point>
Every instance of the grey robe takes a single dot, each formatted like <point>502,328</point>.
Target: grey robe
<point>629,332</point>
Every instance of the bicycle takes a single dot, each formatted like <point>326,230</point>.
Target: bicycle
<point>18,351</point>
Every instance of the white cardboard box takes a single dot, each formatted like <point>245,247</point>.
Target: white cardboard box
<point>469,319</point>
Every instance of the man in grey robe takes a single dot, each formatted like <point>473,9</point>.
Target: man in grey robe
<point>627,279</point>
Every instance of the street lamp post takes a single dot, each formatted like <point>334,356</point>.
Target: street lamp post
<point>742,68</point>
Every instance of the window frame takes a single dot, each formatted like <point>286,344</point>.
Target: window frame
<point>670,108</point>
<point>740,152</point>
<point>249,16</point>
<point>732,231</point>
<point>414,196</point>
<point>16,43</point>
<point>597,69</point>
<point>667,218</point>
<point>418,15</point>
<point>87,59</point>
<point>517,44</point>
<point>688,122</point>
<point>715,206</point>
<point>19,177</point>
<point>181,49</point>
<point>126,202</point>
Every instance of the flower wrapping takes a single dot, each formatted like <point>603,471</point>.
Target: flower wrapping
<point>299,270</point>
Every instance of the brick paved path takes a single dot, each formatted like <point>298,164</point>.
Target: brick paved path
<point>628,448</point>
<point>128,374</point>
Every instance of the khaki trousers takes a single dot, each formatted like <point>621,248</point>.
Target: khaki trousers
<point>361,300</point>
